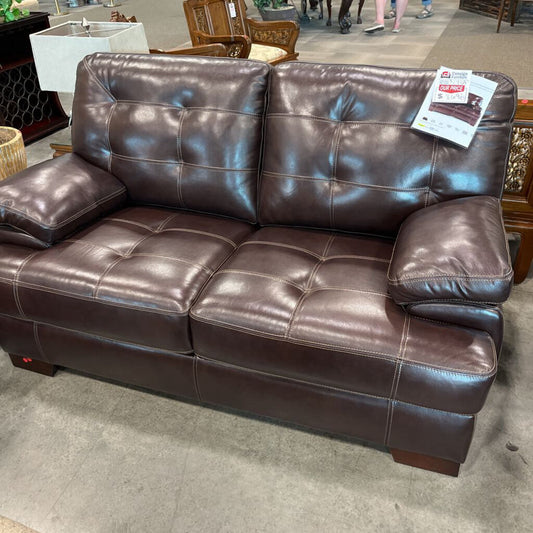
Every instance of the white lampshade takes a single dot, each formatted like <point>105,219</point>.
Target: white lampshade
<point>58,50</point>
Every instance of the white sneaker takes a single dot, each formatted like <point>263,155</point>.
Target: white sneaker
<point>374,28</point>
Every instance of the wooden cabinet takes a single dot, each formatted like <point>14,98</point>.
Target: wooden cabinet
<point>518,192</point>
<point>22,103</point>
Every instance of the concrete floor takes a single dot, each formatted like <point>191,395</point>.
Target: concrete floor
<point>80,455</point>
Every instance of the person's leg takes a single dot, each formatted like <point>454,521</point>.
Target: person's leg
<point>379,24</point>
<point>392,13</point>
<point>401,6</point>
<point>427,10</point>
<point>380,11</point>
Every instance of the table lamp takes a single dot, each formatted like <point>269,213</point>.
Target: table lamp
<point>58,50</point>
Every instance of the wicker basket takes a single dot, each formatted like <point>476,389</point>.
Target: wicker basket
<point>12,152</point>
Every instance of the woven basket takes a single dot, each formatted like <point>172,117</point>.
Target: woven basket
<point>12,152</point>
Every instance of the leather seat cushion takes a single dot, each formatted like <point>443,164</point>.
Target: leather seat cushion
<point>132,276</point>
<point>313,306</point>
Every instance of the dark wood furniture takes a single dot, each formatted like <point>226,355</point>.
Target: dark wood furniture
<point>213,50</point>
<point>426,462</point>
<point>22,103</point>
<point>509,8</point>
<point>488,8</point>
<point>27,363</point>
<point>212,21</point>
<point>503,10</point>
<point>518,193</point>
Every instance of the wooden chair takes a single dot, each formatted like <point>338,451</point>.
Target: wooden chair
<point>214,21</point>
<point>513,4</point>
<point>214,50</point>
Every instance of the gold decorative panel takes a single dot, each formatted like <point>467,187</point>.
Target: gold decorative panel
<point>279,37</point>
<point>201,20</point>
<point>237,25</point>
<point>519,159</point>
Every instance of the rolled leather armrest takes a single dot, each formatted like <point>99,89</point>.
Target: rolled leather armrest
<point>454,251</point>
<point>49,201</point>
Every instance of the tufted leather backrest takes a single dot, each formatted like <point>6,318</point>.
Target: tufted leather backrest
<point>339,152</point>
<point>181,132</point>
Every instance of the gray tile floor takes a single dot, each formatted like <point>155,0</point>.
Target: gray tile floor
<point>79,455</point>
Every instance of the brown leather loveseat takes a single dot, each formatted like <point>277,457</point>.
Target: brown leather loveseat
<point>276,240</point>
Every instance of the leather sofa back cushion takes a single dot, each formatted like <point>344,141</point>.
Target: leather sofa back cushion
<point>182,132</point>
<point>340,154</point>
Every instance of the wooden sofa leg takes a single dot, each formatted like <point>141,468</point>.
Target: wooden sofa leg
<point>48,369</point>
<point>427,462</point>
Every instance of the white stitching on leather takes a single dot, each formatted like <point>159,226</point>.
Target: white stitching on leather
<point>345,289</point>
<point>282,245</point>
<point>182,163</point>
<point>164,222</point>
<point>196,380</point>
<point>381,188</point>
<point>401,355</point>
<point>206,233</point>
<point>17,284</point>
<point>184,230</point>
<point>401,125</point>
<point>144,309</point>
<point>216,169</point>
<point>179,152</point>
<point>96,79</point>
<point>126,221</point>
<point>89,244</point>
<point>319,385</point>
<point>37,341</point>
<point>258,274</point>
<point>74,216</point>
<point>309,252</point>
<point>333,177</point>
<point>364,257</point>
<point>338,348</point>
<point>199,266</point>
<point>108,136</point>
<point>96,336</point>
<point>128,253</point>
<point>310,278</point>
<point>109,267</point>
<point>446,300</point>
<point>201,356</point>
<point>480,278</point>
<point>432,170</point>
<point>395,378</point>
<point>191,108</point>
<point>147,160</point>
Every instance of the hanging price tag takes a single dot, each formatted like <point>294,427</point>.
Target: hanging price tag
<point>232,10</point>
